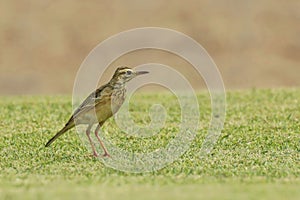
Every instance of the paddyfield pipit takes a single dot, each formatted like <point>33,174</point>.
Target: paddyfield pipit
<point>100,105</point>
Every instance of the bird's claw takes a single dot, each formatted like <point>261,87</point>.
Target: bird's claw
<point>106,155</point>
<point>95,155</point>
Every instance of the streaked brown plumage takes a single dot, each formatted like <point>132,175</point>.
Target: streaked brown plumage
<point>100,105</point>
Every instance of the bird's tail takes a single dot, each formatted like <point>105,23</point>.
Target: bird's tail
<point>62,131</point>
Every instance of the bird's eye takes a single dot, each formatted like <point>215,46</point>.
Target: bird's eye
<point>128,72</point>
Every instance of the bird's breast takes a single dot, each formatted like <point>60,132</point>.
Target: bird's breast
<point>117,99</point>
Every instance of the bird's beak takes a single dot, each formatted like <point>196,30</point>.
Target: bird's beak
<point>141,72</point>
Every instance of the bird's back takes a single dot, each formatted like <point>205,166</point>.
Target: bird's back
<point>99,105</point>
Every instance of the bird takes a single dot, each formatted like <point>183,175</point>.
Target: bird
<point>99,106</point>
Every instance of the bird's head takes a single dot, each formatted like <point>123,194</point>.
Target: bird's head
<point>125,74</point>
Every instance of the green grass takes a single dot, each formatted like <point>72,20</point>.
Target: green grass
<point>256,157</point>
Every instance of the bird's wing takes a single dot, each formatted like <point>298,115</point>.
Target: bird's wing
<point>102,94</point>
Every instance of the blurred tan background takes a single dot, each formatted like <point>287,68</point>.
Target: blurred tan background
<point>254,43</point>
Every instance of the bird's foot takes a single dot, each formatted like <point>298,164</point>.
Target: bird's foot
<point>106,155</point>
<point>92,155</point>
<point>95,154</point>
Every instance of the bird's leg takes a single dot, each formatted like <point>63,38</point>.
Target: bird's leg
<point>88,131</point>
<point>106,154</point>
